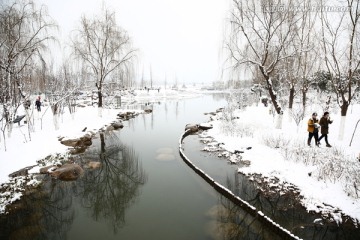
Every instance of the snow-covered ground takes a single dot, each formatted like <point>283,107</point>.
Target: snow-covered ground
<point>24,149</point>
<point>324,176</point>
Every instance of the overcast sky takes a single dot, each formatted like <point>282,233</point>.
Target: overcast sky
<point>180,38</point>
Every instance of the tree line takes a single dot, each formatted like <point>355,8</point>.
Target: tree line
<point>101,56</point>
<point>295,44</point>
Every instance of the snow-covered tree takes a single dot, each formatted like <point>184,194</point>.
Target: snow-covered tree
<point>25,30</point>
<point>258,37</point>
<point>341,47</point>
<point>104,47</point>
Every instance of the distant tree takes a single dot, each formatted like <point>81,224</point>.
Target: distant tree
<point>322,80</point>
<point>104,47</point>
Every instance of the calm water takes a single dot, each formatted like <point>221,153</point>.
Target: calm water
<point>145,191</point>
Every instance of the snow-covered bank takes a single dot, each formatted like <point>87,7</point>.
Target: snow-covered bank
<point>324,176</point>
<point>24,149</point>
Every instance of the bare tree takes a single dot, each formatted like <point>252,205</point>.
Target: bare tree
<point>104,47</point>
<point>25,30</point>
<point>300,67</point>
<point>259,34</point>
<point>341,49</point>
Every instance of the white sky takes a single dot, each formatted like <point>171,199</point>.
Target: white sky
<point>180,38</point>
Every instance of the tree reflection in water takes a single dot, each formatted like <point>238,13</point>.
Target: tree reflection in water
<point>108,191</point>
<point>46,213</point>
<point>289,213</point>
<point>232,222</point>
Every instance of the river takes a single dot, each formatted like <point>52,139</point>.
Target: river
<point>144,190</point>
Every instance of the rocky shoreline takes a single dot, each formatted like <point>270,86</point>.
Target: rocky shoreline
<point>60,166</point>
<point>269,186</point>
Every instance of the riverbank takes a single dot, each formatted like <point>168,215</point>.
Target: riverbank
<point>42,147</point>
<point>25,148</point>
<point>326,178</point>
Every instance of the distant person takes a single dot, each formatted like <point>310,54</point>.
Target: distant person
<point>324,123</point>
<point>38,103</point>
<point>313,129</point>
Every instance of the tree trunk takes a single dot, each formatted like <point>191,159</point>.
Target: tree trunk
<point>304,98</point>
<point>344,107</point>
<point>274,100</point>
<point>272,94</point>
<point>102,142</point>
<point>291,97</point>
<point>100,103</point>
<point>342,128</point>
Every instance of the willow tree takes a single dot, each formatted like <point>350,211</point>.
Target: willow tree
<point>104,47</point>
<point>340,41</point>
<point>25,31</point>
<point>259,34</point>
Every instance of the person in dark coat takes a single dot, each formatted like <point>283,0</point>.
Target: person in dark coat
<point>324,123</point>
<point>313,129</point>
<point>38,104</point>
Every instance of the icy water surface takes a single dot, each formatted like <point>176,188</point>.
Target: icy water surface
<point>144,190</point>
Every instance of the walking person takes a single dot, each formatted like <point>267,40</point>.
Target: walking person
<point>313,129</point>
<point>324,123</point>
<point>38,104</point>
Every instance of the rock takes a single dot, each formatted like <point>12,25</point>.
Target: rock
<point>67,172</point>
<point>70,142</point>
<point>246,162</point>
<point>81,142</point>
<point>205,126</point>
<point>94,165</point>
<point>148,110</point>
<point>21,172</point>
<point>47,169</point>
<point>117,125</point>
<point>192,127</point>
<point>78,150</point>
<point>126,115</point>
<point>238,151</point>
<point>109,128</point>
<point>122,115</point>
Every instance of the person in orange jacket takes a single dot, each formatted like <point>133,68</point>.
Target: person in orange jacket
<point>313,129</point>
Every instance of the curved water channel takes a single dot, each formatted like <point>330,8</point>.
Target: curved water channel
<point>144,190</point>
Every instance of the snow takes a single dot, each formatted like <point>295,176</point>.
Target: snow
<point>273,154</point>
<point>251,127</point>
<point>24,151</point>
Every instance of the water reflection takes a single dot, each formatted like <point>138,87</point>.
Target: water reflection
<point>232,222</point>
<point>107,192</point>
<point>46,213</point>
<point>284,208</point>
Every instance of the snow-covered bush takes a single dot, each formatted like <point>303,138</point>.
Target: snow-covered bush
<point>235,129</point>
<point>275,140</point>
<point>297,113</point>
<point>332,165</point>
